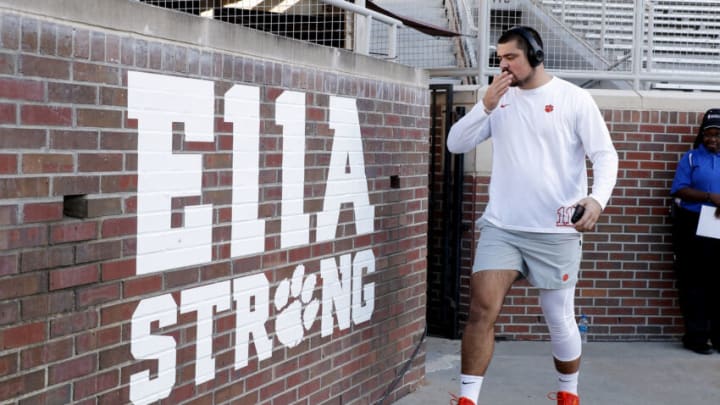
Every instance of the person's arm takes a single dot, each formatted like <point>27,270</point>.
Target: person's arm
<point>694,195</point>
<point>601,152</point>
<point>474,127</point>
<point>600,149</point>
<point>470,130</point>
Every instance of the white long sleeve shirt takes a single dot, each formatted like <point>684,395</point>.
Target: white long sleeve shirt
<point>540,139</point>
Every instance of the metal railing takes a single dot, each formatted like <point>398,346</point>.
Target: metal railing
<point>637,44</point>
<point>334,23</point>
<point>632,44</point>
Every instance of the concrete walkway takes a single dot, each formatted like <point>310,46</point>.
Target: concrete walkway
<point>612,373</point>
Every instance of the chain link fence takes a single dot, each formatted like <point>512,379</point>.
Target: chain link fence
<point>636,44</point>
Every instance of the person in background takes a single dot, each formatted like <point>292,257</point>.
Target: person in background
<point>542,129</point>
<point>697,184</point>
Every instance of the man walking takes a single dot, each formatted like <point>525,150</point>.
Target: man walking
<point>542,129</point>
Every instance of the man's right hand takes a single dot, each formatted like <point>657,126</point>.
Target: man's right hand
<point>498,87</point>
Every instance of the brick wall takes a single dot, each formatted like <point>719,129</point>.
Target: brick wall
<point>182,224</point>
<point>627,285</point>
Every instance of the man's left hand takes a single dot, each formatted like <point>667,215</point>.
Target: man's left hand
<point>591,215</point>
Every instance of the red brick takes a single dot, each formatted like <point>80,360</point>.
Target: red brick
<point>34,163</point>
<point>49,352</point>
<point>44,67</point>
<point>96,118</point>
<point>68,370</point>
<point>64,41</point>
<point>45,115</point>
<point>29,34</point>
<point>8,264</point>
<point>42,212</point>
<point>97,338</point>
<point>112,48</point>
<point>71,277</point>
<point>10,29</point>
<point>72,93</point>
<point>47,258</point>
<point>90,72</point>
<point>22,89</point>
<point>53,396</point>
<point>113,96</point>
<point>97,294</point>
<point>8,164</point>
<point>74,140</point>
<point>24,187</point>
<point>97,47</point>
<point>124,183</point>
<point>182,393</point>
<point>73,323</point>
<point>131,163</point>
<point>100,251</point>
<point>9,313</point>
<point>180,278</point>
<point>8,364</point>
<point>22,384</point>
<point>92,206</point>
<point>114,356</point>
<point>118,227</point>
<point>8,112</point>
<point>73,232</point>
<point>8,215</point>
<point>23,335</point>
<point>94,384</point>
<point>81,42</point>
<point>143,285</point>
<point>130,205</point>
<point>111,140</point>
<point>74,185</point>
<point>42,306</point>
<point>100,162</point>
<point>118,270</point>
<point>117,396</point>
<point>23,237</point>
<point>20,138</point>
<point>48,33</point>
<point>117,313</point>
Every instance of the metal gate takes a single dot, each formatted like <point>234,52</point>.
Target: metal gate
<point>444,218</point>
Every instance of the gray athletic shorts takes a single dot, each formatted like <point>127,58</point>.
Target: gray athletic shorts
<point>547,260</point>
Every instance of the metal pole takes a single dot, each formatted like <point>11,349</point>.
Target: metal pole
<point>483,39</point>
<point>638,28</point>
<point>392,41</point>
<point>603,23</point>
<point>651,35</point>
<point>362,30</point>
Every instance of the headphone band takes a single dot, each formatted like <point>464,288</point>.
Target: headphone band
<point>535,52</point>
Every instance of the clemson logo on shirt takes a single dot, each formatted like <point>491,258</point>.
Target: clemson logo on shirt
<point>549,108</point>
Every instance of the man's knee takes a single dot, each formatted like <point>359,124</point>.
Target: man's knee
<point>483,312</point>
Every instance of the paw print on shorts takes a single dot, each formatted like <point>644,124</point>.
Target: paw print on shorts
<point>292,320</point>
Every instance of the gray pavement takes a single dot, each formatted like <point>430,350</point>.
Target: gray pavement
<point>612,373</point>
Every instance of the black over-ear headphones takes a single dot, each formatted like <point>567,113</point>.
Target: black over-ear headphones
<point>535,53</point>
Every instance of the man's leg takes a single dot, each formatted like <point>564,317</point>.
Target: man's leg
<point>487,294</point>
<point>558,309</point>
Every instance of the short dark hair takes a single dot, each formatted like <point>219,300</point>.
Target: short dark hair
<point>524,35</point>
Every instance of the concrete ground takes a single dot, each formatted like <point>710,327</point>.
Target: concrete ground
<point>612,373</point>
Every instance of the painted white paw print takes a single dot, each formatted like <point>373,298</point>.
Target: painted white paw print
<point>291,318</point>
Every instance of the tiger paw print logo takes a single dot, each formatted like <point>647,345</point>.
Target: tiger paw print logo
<point>291,295</point>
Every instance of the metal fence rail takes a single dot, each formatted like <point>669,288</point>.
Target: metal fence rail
<point>638,44</point>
